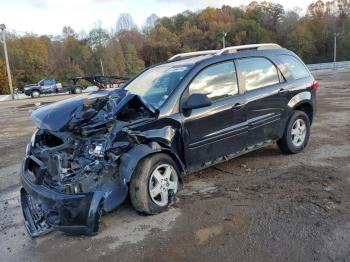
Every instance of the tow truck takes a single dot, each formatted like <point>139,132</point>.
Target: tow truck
<point>50,86</point>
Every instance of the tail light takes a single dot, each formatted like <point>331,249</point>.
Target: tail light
<point>315,85</point>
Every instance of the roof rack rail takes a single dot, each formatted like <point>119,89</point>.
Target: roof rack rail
<point>192,54</point>
<point>234,49</point>
<point>227,50</point>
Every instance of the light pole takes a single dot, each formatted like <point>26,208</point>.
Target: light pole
<point>335,50</point>
<point>103,72</point>
<point>224,34</point>
<point>2,28</point>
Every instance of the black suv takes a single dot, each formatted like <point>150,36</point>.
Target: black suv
<point>193,111</point>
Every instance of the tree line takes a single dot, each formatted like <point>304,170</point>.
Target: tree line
<point>127,49</point>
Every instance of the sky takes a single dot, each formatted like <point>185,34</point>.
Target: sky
<point>49,16</point>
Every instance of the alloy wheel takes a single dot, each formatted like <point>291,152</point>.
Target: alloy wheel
<point>298,132</point>
<point>163,180</point>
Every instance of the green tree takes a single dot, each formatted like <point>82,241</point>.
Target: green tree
<point>301,42</point>
<point>133,63</point>
<point>4,88</point>
<point>28,58</point>
<point>160,44</point>
<point>113,59</point>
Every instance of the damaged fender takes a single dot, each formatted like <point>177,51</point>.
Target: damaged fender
<point>158,140</point>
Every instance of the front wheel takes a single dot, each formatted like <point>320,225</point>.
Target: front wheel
<point>154,184</point>
<point>296,135</point>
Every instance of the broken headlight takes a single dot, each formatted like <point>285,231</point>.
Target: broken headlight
<point>31,143</point>
<point>32,139</point>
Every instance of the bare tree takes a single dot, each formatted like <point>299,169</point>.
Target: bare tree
<point>150,22</point>
<point>344,8</point>
<point>125,22</point>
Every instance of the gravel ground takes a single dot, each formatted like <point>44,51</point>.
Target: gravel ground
<point>263,206</point>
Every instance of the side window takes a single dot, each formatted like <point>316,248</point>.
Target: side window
<point>217,81</point>
<point>48,82</point>
<point>258,72</point>
<point>293,68</point>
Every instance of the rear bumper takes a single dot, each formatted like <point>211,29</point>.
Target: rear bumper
<point>45,209</point>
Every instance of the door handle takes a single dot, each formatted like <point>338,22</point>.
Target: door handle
<point>238,106</point>
<point>283,91</point>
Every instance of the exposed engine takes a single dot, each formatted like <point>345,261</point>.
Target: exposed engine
<point>83,150</point>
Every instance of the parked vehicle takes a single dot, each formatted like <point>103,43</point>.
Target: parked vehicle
<point>102,82</point>
<point>49,86</point>
<point>191,112</point>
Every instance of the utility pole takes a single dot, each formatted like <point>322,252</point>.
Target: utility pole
<point>224,34</point>
<point>103,72</point>
<point>2,28</point>
<point>335,50</point>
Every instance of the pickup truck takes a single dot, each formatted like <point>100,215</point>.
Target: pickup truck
<point>49,86</point>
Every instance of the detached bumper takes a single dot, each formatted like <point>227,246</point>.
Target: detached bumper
<point>44,209</point>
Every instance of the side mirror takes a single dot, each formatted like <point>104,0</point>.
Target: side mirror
<point>196,101</point>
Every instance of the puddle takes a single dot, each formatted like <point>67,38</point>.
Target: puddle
<point>204,234</point>
<point>127,227</point>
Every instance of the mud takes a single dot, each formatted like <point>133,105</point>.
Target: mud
<point>263,206</point>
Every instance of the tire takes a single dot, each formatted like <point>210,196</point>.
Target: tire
<point>296,134</point>
<point>35,94</point>
<point>78,90</point>
<point>145,184</point>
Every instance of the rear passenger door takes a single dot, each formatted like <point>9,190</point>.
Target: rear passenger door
<point>220,129</point>
<point>266,96</point>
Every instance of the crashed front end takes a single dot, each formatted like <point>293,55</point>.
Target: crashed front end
<point>70,172</point>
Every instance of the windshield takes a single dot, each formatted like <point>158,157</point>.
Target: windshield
<point>157,83</point>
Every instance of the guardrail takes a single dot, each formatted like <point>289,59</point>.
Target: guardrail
<point>321,66</point>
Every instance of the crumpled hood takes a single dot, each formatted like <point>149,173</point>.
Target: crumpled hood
<point>77,111</point>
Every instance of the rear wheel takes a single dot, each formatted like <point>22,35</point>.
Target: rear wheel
<point>35,94</point>
<point>154,184</point>
<point>296,134</point>
<point>78,90</point>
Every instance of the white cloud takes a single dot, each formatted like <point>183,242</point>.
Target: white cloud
<point>39,3</point>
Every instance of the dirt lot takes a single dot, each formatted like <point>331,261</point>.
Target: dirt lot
<point>263,206</point>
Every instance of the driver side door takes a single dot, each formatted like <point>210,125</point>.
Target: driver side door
<point>47,86</point>
<point>220,129</point>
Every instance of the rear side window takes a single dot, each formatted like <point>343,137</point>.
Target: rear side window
<point>217,81</point>
<point>293,68</point>
<point>258,72</point>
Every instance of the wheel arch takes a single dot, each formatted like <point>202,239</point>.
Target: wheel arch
<point>35,89</point>
<point>307,108</point>
<point>131,159</point>
<point>302,101</point>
